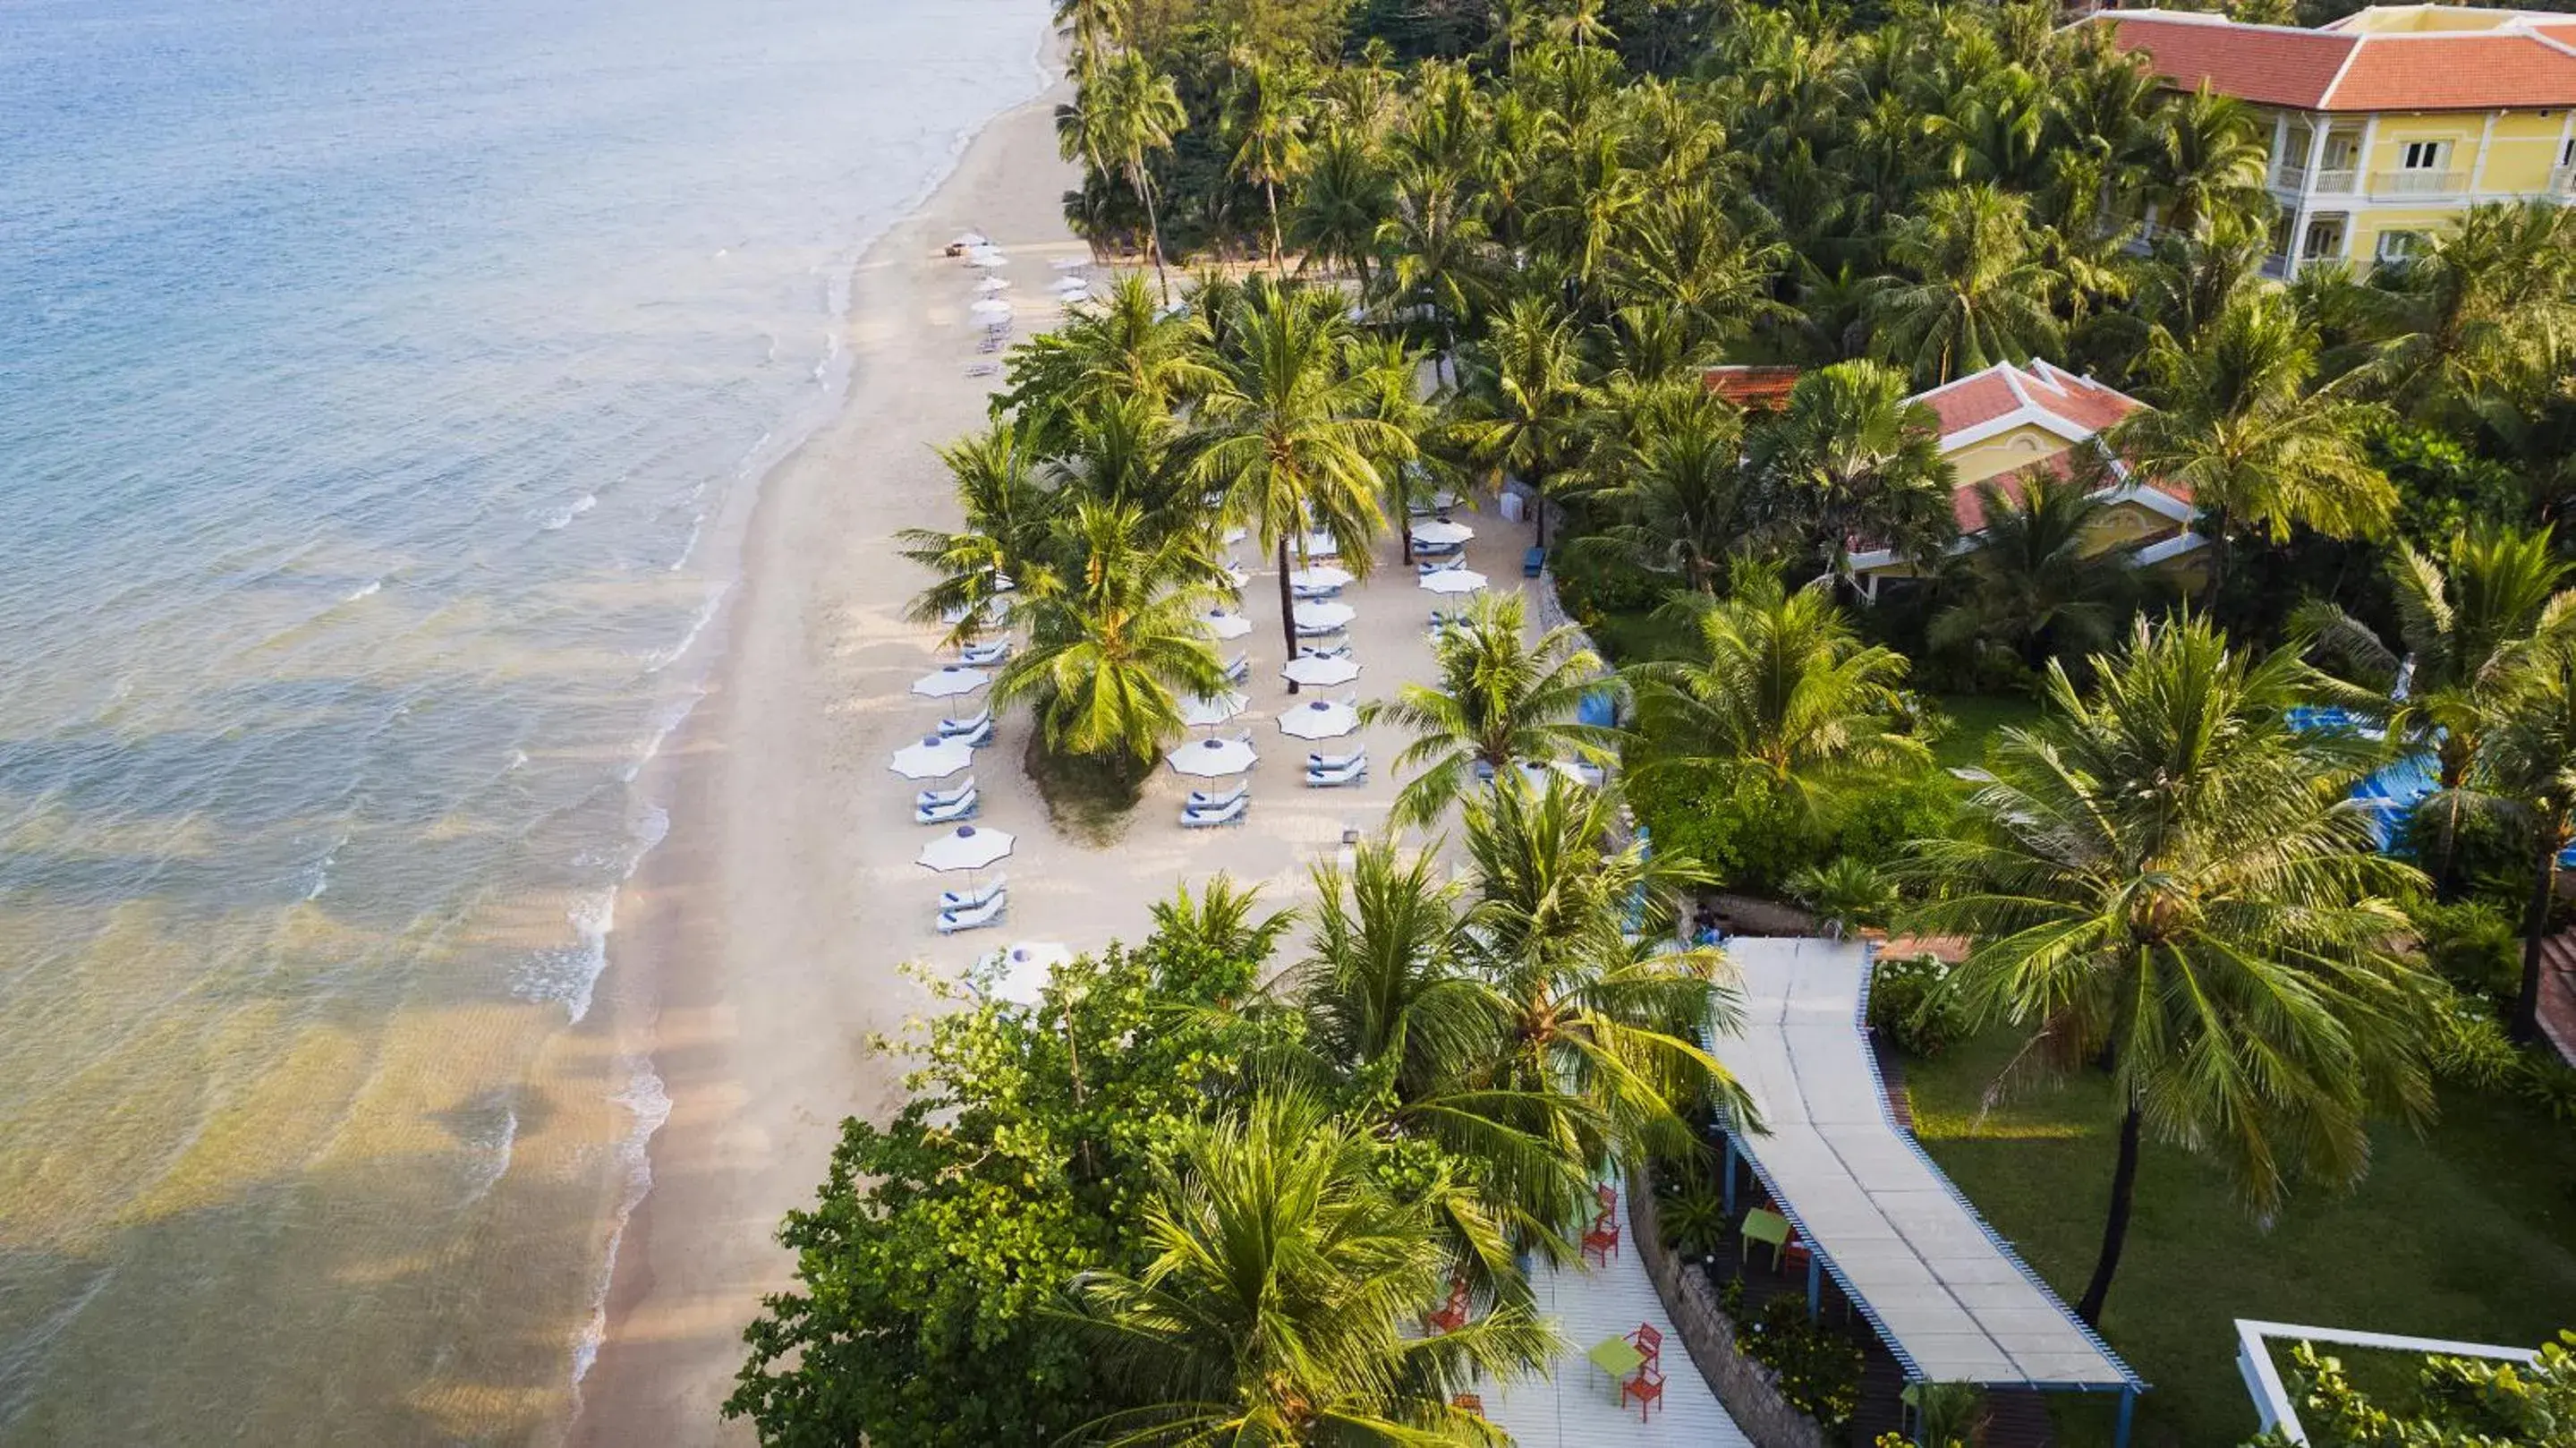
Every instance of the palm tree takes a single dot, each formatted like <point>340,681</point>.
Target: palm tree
<point>1778,689</point>
<point>1523,394</point>
<point>1853,459</point>
<point>1438,243</point>
<point>1007,536</point>
<point>1122,115</point>
<point>1980,295</point>
<point>2529,760</point>
<point>2208,163</point>
<point>1096,28</point>
<point>1222,918</point>
<point>2038,585</point>
<point>2479,315</point>
<point>1679,500</point>
<point>1117,641</point>
<point>1124,347</point>
<point>2238,426</point>
<point>1270,1313</point>
<point>1499,702</point>
<point>1267,120</point>
<point>2166,876</point>
<point>1344,195</point>
<point>1288,433</point>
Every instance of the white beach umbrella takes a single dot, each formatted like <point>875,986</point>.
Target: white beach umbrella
<point>949,680</point>
<point>1322,719</point>
<point>933,758</point>
<point>987,257</point>
<point>1321,575</point>
<point>1021,972</point>
<point>971,238</point>
<point>1440,532</point>
<point>1211,758</point>
<point>1454,580</point>
<point>1224,625</point>
<point>1201,711</point>
<point>991,307</point>
<point>990,285</point>
<point>1313,614</point>
<point>1320,544</point>
<point>1072,286</point>
<point>967,847</point>
<point>994,610</point>
<point>1309,671</point>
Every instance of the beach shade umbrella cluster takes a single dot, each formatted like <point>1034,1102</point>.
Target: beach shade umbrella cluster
<point>1202,711</point>
<point>1322,719</point>
<point>1454,580</point>
<point>1441,533</point>
<point>1314,671</point>
<point>1020,973</point>
<point>950,680</point>
<point>1224,625</point>
<point>1314,614</point>
<point>967,847</point>
<point>933,758</point>
<point>1320,575</point>
<point>1212,758</point>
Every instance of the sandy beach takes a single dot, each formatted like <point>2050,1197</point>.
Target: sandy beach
<point>762,945</point>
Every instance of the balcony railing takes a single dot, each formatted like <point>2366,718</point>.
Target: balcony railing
<point>2419,183</point>
<point>2332,181</point>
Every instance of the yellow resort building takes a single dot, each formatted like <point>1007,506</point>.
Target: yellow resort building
<point>2388,123</point>
<point>2009,421</point>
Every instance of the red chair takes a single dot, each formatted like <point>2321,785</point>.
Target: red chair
<point>1608,1196</point>
<point>1602,1241</point>
<point>1469,1402</point>
<point>1647,1387</point>
<point>1452,1314</point>
<point>1649,1342</point>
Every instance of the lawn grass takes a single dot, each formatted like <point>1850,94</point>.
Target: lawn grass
<point>1974,718</point>
<point>2468,1232</point>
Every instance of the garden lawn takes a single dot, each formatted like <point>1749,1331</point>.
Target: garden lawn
<point>1974,718</point>
<point>2466,1233</point>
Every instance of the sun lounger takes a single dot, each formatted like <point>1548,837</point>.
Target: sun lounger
<point>973,896</point>
<point>1238,668</point>
<point>1340,650</point>
<point>976,917</point>
<point>1429,566</point>
<point>965,808</point>
<point>980,738</point>
<point>1313,591</point>
<point>1350,770</point>
<point>980,655</point>
<point>1230,814</point>
<point>1335,761</point>
<point>933,798</point>
<point>951,728</point>
<point>1203,800</point>
<point>1437,550</point>
<point>1322,631</point>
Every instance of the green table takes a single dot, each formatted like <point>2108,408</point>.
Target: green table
<point>1618,1357</point>
<point>1766,1226</point>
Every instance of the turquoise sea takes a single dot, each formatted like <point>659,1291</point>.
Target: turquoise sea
<point>377,384</point>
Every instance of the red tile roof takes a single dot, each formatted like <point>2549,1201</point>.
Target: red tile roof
<point>1755,389</point>
<point>2004,389</point>
<point>2318,70</point>
<point>1972,401</point>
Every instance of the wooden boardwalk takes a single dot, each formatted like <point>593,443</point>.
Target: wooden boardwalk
<point>1579,1407</point>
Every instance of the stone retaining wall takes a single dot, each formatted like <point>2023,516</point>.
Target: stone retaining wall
<point>1747,1388</point>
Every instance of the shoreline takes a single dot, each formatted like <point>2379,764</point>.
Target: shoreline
<point>674,962</point>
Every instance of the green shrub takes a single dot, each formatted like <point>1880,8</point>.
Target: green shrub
<point>1749,837</point>
<point>2549,1084</point>
<point>1846,894</point>
<point>1818,1368</point>
<point>1911,1003</point>
<point>2475,944</point>
<point>1874,823</point>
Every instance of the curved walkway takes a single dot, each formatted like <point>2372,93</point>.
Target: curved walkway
<point>1951,1300</point>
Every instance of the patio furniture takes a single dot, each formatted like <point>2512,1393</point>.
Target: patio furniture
<point>982,736</point>
<point>976,917</point>
<point>964,807</point>
<point>1429,566</point>
<point>1451,1315</point>
<point>1603,1240</point>
<point>1618,1357</point>
<point>934,798</point>
<point>1469,1402</point>
<point>1647,1387</point>
<point>1238,668</point>
<point>1607,1195</point>
<point>1310,591</point>
<point>1650,1342</point>
<point>1349,771</point>
<point>954,728</point>
<point>1204,800</point>
<point>974,895</point>
<point>1230,814</point>
<point>1763,1225</point>
<point>985,655</point>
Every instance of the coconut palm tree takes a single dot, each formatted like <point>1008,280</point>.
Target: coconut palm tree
<point>1852,459</point>
<point>1266,118</point>
<point>1341,199</point>
<point>1979,293</point>
<point>1123,115</point>
<point>1008,534</point>
<point>2165,876</point>
<point>1095,28</point>
<point>2207,161</point>
<point>2240,427</point>
<point>1223,918</point>
<point>1271,1311</point>
<point>1121,348</point>
<point>1523,395</point>
<point>2479,316</point>
<point>2528,760</point>
<point>1288,435</point>
<point>1439,245</point>
<point>1500,701</point>
<point>1678,497</point>
<point>1115,639</point>
<point>1778,689</point>
<point>2039,584</point>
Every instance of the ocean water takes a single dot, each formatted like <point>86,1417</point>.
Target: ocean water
<point>377,381</point>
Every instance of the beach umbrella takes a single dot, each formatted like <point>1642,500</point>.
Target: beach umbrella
<point>1321,575</point>
<point>987,257</point>
<point>994,611</point>
<point>1440,532</point>
<point>1313,671</point>
<point>949,680</point>
<point>1201,711</point>
<point>991,307</point>
<point>1068,264</point>
<point>990,285</point>
<point>966,847</point>
<point>1324,615</point>
<point>933,758</point>
<point>1236,535</point>
<point>971,238</point>
<point>1454,580</point>
<point>1320,544</point>
<point>1224,625</point>
<point>1021,972</point>
<point>1322,719</point>
<point>1210,758</point>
